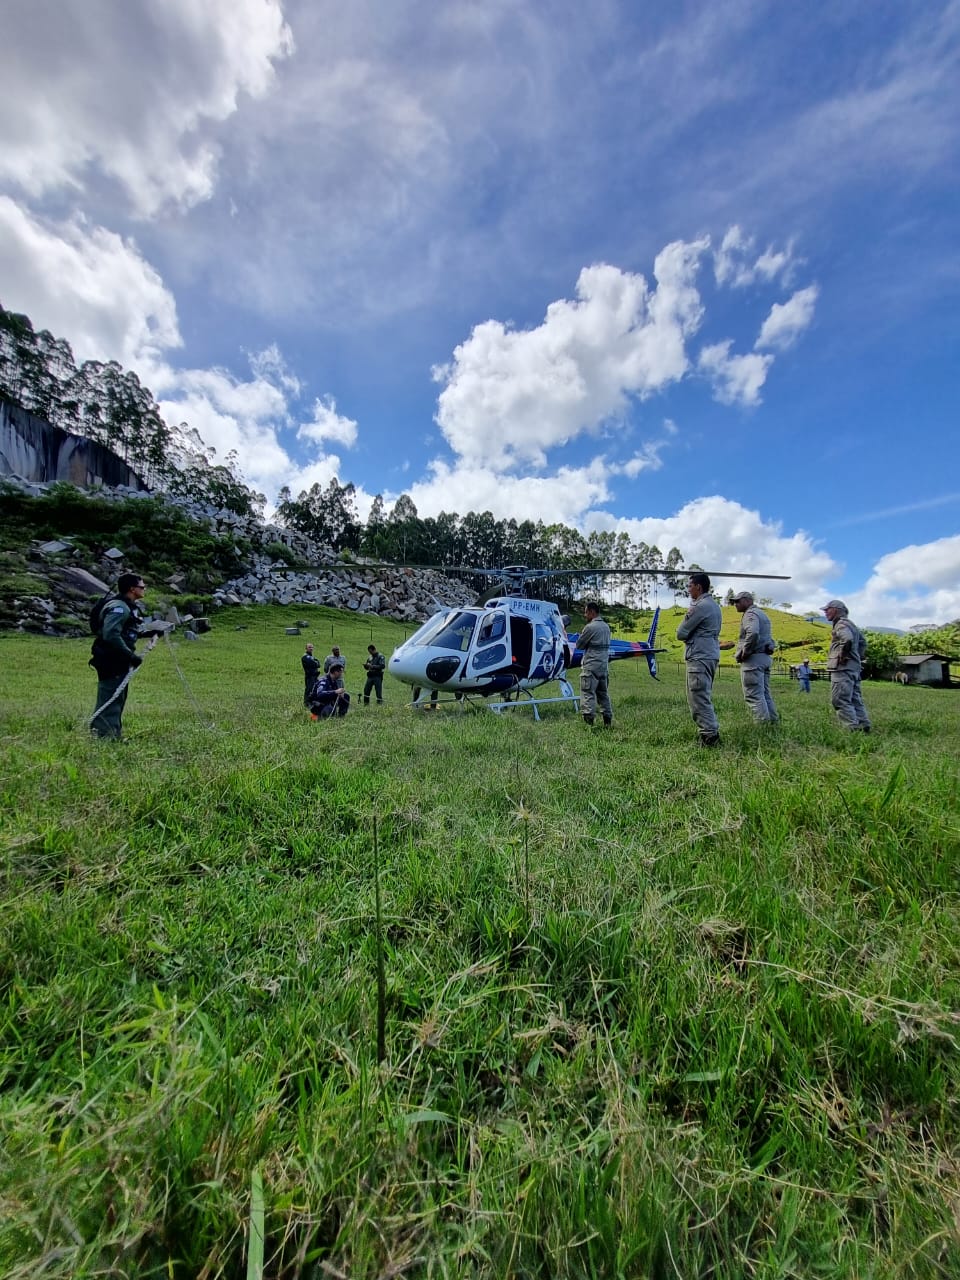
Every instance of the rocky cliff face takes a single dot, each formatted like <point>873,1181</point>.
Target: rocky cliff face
<point>32,450</point>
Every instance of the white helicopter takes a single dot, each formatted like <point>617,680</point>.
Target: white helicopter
<point>511,645</point>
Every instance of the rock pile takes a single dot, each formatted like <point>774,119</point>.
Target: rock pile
<point>402,594</point>
<point>320,576</point>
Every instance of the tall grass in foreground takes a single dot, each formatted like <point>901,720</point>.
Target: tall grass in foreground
<point>645,1011</point>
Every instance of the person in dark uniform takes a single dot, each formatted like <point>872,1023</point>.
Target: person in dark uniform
<point>311,671</point>
<point>374,666</point>
<point>329,698</point>
<point>114,655</point>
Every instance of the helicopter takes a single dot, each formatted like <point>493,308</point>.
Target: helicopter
<point>510,645</point>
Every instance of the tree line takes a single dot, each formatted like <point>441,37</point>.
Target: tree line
<point>329,515</point>
<point>107,404</point>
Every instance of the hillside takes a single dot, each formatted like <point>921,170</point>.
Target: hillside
<point>799,637</point>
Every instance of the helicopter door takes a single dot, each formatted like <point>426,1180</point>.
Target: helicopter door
<point>521,635</point>
<point>491,643</point>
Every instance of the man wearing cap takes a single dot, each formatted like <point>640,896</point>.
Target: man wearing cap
<point>700,632</point>
<point>753,654</point>
<point>845,664</point>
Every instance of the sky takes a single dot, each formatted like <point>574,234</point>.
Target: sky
<point>687,271</point>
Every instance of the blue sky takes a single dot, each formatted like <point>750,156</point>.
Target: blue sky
<point>689,271</point>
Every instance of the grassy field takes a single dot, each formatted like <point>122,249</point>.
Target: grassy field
<point>643,1010</point>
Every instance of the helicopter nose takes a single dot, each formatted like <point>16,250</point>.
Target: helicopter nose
<point>440,670</point>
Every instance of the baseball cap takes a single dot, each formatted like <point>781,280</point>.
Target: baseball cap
<point>834,604</point>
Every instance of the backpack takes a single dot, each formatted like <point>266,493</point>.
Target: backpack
<point>96,613</point>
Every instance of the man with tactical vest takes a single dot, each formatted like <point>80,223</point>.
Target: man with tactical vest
<point>374,666</point>
<point>753,655</point>
<point>114,654</point>
<point>848,647</point>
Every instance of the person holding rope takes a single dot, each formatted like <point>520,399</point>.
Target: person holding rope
<point>114,655</point>
<point>329,697</point>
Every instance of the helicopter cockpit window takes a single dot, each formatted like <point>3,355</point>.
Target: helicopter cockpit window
<point>493,627</point>
<point>543,638</point>
<point>452,631</point>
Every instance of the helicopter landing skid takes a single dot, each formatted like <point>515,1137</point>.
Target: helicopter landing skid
<point>523,698</point>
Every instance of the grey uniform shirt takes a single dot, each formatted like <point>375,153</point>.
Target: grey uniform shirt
<point>700,630</point>
<point>594,643</point>
<point>847,647</point>
<point>755,640</point>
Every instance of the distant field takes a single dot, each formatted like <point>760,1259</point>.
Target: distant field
<point>646,1010</point>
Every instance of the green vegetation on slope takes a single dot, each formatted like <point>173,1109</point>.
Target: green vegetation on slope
<point>161,538</point>
<point>649,1011</point>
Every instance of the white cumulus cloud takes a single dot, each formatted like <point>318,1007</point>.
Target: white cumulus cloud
<point>724,536</point>
<point>736,262</point>
<point>787,320</point>
<point>912,586</point>
<point>510,395</point>
<point>88,284</point>
<point>561,497</point>
<point>327,424</point>
<point>735,379</point>
<point>128,91</point>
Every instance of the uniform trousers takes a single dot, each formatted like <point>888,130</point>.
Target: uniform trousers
<point>846,700</point>
<point>700,677</point>
<point>756,694</point>
<point>594,691</point>
<point>107,723</point>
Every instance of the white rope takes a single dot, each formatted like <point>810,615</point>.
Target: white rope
<point>186,684</point>
<point>120,688</point>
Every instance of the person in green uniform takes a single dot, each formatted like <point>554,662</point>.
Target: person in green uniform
<point>594,641</point>
<point>114,655</point>
<point>374,666</point>
<point>700,633</point>
<point>848,648</point>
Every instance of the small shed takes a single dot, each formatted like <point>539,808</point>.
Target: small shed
<point>925,668</point>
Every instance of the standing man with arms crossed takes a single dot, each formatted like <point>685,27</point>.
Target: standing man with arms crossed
<point>114,655</point>
<point>700,632</point>
<point>594,642</point>
<point>845,664</point>
<point>753,654</point>
<point>334,658</point>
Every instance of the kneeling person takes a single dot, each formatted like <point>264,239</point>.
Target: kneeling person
<point>329,697</point>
